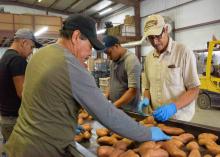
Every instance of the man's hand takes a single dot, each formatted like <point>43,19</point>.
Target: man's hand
<point>144,103</point>
<point>158,135</point>
<point>164,112</point>
<point>79,129</point>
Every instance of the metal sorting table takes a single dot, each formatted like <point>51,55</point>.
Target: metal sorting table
<point>193,128</point>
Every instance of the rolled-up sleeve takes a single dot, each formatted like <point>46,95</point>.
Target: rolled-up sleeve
<point>190,74</point>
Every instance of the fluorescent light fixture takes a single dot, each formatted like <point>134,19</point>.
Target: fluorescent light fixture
<point>39,0</point>
<point>105,11</point>
<point>41,31</point>
<point>101,31</point>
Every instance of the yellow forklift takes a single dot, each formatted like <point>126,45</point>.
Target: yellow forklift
<point>209,95</point>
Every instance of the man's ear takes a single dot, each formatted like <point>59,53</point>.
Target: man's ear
<point>75,35</point>
<point>166,29</point>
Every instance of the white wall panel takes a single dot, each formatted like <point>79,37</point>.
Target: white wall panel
<point>21,10</point>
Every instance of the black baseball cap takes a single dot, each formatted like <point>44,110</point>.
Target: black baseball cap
<point>25,33</point>
<point>110,41</point>
<point>87,27</point>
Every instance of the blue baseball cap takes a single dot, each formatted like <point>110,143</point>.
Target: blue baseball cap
<point>110,41</point>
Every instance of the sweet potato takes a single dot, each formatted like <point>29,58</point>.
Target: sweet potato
<point>214,149</point>
<point>121,145</point>
<point>155,153</point>
<point>102,132</point>
<point>173,150</point>
<point>87,127</point>
<point>104,151</point>
<point>129,153</point>
<point>176,142</point>
<point>105,140</point>
<point>145,146</point>
<point>171,130</point>
<point>78,138</point>
<point>194,153</point>
<point>117,136</point>
<point>207,155</point>
<point>87,135</point>
<point>206,141</point>
<point>83,115</point>
<point>208,136</point>
<point>80,121</point>
<point>185,138</point>
<point>116,153</point>
<point>218,155</point>
<point>192,145</point>
<point>128,141</point>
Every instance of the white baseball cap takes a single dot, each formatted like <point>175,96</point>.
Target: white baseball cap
<point>153,25</point>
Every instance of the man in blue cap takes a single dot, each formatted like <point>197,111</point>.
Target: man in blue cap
<point>125,71</point>
<point>12,70</point>
<point>56,86</point>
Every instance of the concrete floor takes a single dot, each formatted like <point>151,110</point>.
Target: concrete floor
<point>210,117</point>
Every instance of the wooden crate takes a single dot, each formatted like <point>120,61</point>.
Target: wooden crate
<point>47,20</point>
<point>6,18</point>
<point>6,26</point>
<point>23,19</point>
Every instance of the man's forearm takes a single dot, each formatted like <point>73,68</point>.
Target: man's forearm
<point>187,97</point>
<point>126,97</point>
<point>147,94</point>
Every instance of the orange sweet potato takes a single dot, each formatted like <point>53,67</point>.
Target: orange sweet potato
<point>194,153</point>
<point>105,140</point>
<point>173,150</point>
<point>171,130</point>
<point>185,138</point>
<point>192,145</point>
<point>208,136</point>
<point>104,151</point>
<point>129,153</point>
<point>87,127</point>
<point>102,132</point>
<point>155,153</point>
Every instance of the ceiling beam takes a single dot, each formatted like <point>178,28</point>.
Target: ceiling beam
<point>56,1</point>
<point>71,5</point>
<point>127,2</point>
<point>90,6</point>
<point>109,6</point>
<point>6,2</point>
<point>114,12</point>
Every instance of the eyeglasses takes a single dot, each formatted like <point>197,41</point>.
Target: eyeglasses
<point>158,37</point>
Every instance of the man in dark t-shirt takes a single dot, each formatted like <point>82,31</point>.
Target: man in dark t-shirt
<point>12,69</point>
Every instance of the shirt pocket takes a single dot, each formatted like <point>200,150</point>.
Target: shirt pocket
<point>173,76</point>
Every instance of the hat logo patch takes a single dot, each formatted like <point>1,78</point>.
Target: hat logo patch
<point>150,24</point>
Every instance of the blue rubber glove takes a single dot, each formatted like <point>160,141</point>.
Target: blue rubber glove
<point>79,129</point>
<point>164,112</point>
<point>144,103</point>
<point>158,135</point>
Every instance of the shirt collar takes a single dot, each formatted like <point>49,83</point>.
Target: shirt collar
<point>123,57</point>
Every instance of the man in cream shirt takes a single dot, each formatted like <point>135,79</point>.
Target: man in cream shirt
<point>172,82</point>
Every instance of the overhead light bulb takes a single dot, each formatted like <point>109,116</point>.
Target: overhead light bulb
<point>105,11</point>
<point>39,0</point>
<point>41,31</point>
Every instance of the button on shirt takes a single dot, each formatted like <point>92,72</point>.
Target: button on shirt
<point>169,75</point>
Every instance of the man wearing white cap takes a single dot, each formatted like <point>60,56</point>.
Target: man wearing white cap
<point>172,83</point>
<point>12,69</point>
